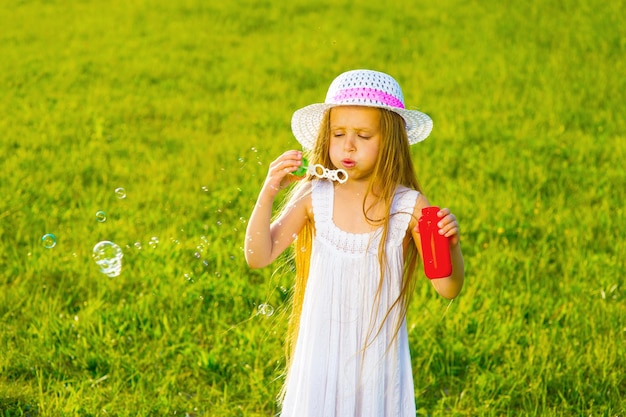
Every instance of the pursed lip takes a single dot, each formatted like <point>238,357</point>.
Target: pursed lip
<point>348,163</point>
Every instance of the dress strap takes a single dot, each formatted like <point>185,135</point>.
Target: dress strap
<point>322,198</point>
<point>402,210</point>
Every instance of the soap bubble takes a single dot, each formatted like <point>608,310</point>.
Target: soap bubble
<point>108,257</point>
<point>101,216</point>
<point>265,310</point>
<point>120,193</point>
<point>154,242</point>
<point>48,241</point>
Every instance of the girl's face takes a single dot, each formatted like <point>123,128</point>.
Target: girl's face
<point>355,140</point>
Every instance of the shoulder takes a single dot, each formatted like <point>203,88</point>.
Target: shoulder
<point>420,202</point>
<point>301,192</point>
<point>411,196</point>
<point>409,200</point>
<point>405,192</point>
<point>301,197</point>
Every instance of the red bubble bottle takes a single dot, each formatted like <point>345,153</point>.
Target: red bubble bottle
<point>435,247</point>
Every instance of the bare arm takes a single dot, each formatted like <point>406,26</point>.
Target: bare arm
<point>265,240</point>
<point>448,287</point>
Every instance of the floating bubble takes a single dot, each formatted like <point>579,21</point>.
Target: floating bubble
<point>265,310</point>
<point>120,193</point>
<point>48,241</point>
<point>101,216</point>
<point>154,242</point>
<point>108,256</point>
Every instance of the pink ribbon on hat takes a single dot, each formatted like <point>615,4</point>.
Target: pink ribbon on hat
<point>368,93</point>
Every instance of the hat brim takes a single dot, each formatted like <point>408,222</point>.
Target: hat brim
<point>305,123</point>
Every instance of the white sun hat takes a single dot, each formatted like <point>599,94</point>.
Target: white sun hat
<point>360,88</point>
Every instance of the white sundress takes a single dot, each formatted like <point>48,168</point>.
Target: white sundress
<point>342,365</point>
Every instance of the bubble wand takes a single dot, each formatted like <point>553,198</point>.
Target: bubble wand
<point>320,171</point>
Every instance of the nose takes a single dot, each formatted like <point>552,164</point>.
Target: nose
<point>349,144</point>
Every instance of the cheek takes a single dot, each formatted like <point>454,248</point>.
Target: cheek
<point>333,147</point>
<point>373,149</point>
<point>335,153</point>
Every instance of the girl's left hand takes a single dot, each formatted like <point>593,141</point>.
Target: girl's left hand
<point>448,226</point>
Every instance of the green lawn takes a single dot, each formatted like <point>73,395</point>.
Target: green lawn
<point>184,104</point>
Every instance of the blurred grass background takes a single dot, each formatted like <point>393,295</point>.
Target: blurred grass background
<point>183,104</point>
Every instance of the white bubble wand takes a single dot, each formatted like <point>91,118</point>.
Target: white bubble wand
<point>320,171</point>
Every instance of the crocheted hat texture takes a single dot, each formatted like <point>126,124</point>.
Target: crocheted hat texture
<point>360,88</point>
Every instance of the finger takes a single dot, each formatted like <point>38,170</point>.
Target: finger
<point>288,179</point>
<point>449,229</point>
<point>291,156</point>
<point>293,152</point>
<point>288,155</point>
<point>451,232</point>
<point>285,166</point>
<point>443,212</point>
<point>450,218</point>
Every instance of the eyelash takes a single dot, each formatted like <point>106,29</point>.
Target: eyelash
<point>337,135</point>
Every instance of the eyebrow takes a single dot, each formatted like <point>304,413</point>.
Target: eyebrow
<point>358,129</point>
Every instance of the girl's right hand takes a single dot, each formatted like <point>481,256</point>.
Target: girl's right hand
<point>280,171</point>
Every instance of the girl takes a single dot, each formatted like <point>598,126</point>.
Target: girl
<point>354,222</point>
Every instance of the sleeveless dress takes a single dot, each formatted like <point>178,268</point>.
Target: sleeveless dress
<point>347,362</point>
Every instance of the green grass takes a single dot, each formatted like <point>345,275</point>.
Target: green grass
<point>185,103</point>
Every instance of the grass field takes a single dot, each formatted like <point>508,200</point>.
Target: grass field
<point>184,103</point>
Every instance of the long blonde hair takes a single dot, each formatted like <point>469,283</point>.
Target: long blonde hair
<point>394,167</point>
